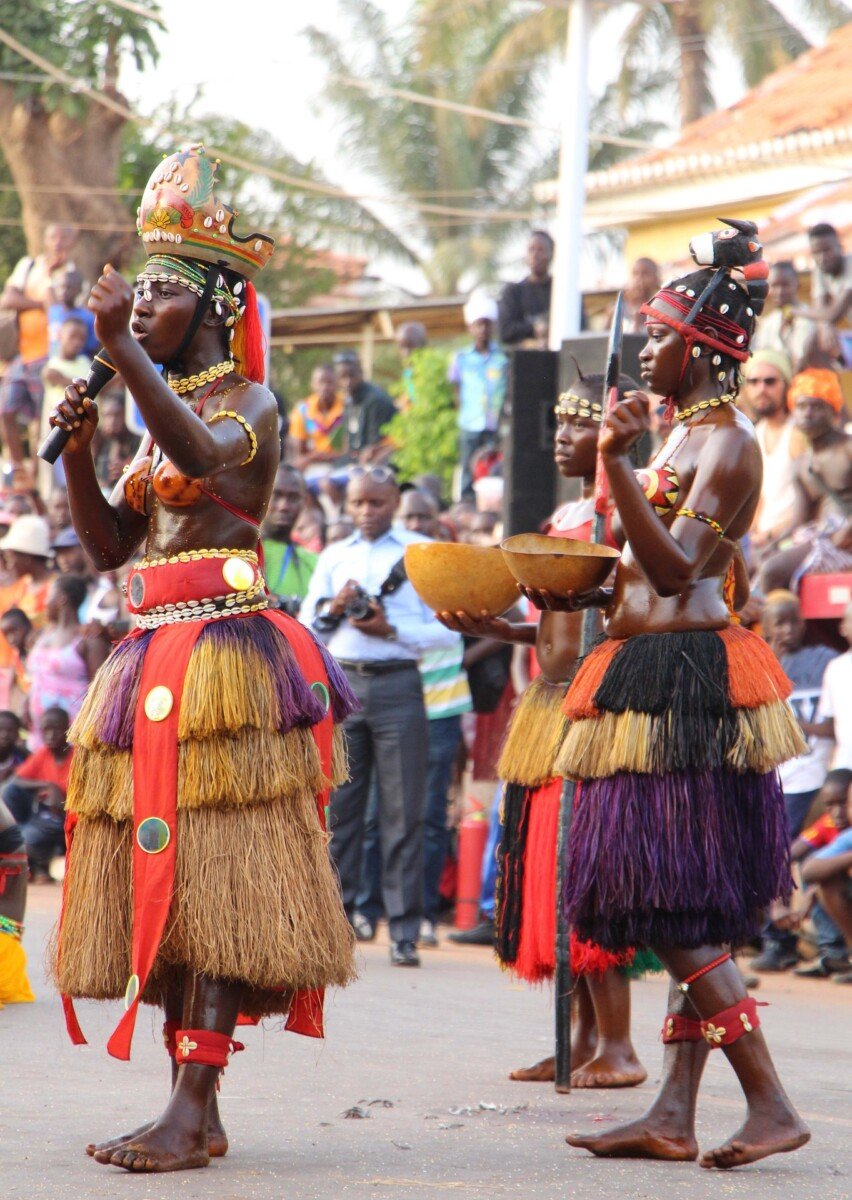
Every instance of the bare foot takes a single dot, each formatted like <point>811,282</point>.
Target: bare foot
<point>166,1146</point>
<point>758,1138</point>
<point>217,1140</point>
<point>540,1072</point>
<point>639,1139</point>
<point>610,1069</point>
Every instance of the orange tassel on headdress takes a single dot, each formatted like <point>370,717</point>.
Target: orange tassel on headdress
<point>249,344</point>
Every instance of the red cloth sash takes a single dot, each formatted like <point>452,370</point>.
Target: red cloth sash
<point>155,781</point>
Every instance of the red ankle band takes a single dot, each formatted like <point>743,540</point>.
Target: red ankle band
<point>170,1036</point>
<point>204,1047</point>
<point>681,1029</point>
<point>731,1023</point>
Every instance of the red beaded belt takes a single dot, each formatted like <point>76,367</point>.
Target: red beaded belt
<point>195,585</point>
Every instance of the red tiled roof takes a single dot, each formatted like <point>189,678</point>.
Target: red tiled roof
<point>806,105</point>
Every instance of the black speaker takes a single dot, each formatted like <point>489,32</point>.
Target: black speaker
<point>529,473</point>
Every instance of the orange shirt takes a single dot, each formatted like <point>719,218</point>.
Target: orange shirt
<point>323,431</point>
<point>27,595</point>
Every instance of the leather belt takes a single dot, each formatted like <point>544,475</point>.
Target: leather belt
<point>377,667</point>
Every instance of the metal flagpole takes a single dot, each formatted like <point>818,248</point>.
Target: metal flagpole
<point>565,298</point>
<point>564,977</point>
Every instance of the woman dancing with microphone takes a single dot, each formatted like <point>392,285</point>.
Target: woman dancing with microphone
<point>198,876</point>
<point>678,718</point>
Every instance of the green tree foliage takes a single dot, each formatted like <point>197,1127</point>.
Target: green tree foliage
<point>430,156</point>
<point>757,37</point>
<point>426,432</point>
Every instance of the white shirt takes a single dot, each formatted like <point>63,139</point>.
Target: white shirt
<point>836,702</point>
<point>778,490</point>
<point>370,563</point>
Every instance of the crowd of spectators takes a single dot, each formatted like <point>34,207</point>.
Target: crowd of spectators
<point>434,706</point>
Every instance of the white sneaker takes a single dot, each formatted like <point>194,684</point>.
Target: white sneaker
<point>428,938</point>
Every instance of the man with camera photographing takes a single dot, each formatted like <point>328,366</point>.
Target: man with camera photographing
<point>373,622</point>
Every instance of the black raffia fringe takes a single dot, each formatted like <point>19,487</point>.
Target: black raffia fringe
<point>682,675</point>
<point>510,871</point>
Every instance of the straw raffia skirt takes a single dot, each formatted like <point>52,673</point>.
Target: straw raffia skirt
<point>256,900</point>
<point>527,859</point>
<point>679,836</point>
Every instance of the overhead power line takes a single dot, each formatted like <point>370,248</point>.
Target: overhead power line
<point>471,110</point>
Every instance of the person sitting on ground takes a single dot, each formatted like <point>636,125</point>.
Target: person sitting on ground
<point>830,869</point>
<point>368,411</point>
<point>317,432</point>
<point>832,954</point>
<point>36,794</point>
<point>288,565</point>
<point>786,329</point>
<point>821,525</point>
<point>802,777</point>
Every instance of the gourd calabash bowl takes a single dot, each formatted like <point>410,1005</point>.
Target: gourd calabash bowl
<point>451,577</point>
<point>557,565</point>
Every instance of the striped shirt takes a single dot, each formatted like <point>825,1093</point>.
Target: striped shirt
<point>445,688</point>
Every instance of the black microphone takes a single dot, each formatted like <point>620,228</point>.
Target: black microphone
<point>100,373</point>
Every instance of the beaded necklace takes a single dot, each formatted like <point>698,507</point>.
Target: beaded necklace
<point>716,402</point>
<point>188,383</point>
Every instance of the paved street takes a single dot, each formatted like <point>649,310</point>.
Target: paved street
<point>425,1054</point>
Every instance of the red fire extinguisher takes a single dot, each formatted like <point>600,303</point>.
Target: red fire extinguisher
<point>473,834</point>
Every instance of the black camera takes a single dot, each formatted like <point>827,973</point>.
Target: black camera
<point>361,605</point>
<point>289,605</point>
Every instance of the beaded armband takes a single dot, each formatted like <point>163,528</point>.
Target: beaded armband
<point>697,516</point>
<point>250,433</point>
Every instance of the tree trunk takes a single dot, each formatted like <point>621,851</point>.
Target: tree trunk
<point>690,34</point>
<point>52,150</point>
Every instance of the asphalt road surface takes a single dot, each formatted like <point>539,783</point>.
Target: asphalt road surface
<point>424,1056</point>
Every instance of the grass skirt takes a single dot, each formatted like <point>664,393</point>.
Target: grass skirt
<point>526,873</point>
<point>679,835</point>
<point>256,900</point>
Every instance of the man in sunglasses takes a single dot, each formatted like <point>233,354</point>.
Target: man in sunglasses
<point>368,614</point>
<point>766,377</point>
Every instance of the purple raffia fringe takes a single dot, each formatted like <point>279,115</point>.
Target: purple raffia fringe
<point>297,705</point>
<point>119,717</point>
<point>686,859</point>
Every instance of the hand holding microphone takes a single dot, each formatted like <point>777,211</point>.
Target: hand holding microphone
<point>78,410</point>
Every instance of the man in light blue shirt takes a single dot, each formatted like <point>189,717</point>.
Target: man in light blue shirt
<point>378,643</point>
<point>478,375</point>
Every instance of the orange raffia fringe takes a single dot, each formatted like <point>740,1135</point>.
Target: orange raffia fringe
<point>580,700</point>
<point>755,676</point>
<point>535,734</point>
